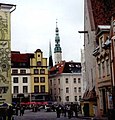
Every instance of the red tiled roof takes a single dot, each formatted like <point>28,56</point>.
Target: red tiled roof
<point>58,68</point>
<point>102,11</point>
<point>65,67</point>
<point>17,57</point>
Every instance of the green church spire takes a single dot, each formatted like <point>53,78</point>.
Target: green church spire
<point>57,48</point>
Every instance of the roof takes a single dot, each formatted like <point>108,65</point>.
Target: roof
<point>18,57</point>
<point>102,11</point>
<point>65,67</point>
<point>90,95</point>
<point>38,50</point>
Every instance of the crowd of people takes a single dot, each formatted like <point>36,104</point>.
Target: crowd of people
<point>7,112</point>
<point>67,110</point>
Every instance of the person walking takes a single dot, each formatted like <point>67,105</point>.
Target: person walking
<point>58,111</point>
<point>21,111</point>
<point>10,113</point>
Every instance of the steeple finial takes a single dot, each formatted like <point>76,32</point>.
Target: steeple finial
<point>56,22</point>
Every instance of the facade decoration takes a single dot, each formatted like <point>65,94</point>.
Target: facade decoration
<point>5,52</point>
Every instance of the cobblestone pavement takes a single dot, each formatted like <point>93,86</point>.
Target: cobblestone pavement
<point>42,115</point>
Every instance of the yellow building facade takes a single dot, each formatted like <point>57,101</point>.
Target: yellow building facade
<point>39,77</point>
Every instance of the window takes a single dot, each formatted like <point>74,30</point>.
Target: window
<point>36,88</point>
<point>14,71</point>
<point>15,89</point>
<point>103,68</point>
<point>99,70</point>
<point>75,89</point>
<point>79,80</point>
<point>25,89</point>
<point>15,80</point>
<point>22,71</point>
<point>75,97</point>
<point>79,90</point>
<point>67,98</point>
<point>42,79</point>
<point>42,71</point>
<point>36,79</point>
<point>66,80</point>
<point>51,82</point>
<point>67,90</point>
<point>3,90</point>
<point>59,90</point>
<point>25,80</point>
<point>74,80</point>
<point>58,81</point>
<point>42,88</point>
<point>107,66</point>
<point>79,97</point>
<point>36,71</point>
<point>51,91</point>
<point>39,63</point>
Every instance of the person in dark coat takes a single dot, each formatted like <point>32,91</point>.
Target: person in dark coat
<point>10,112</point>
<point>75,109</point>
<point>58,111</point>
<point>21,111</point>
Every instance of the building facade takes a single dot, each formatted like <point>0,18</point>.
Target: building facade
<point>65,82</point>
<point>96,12</point>
<point>5,51</point>
<point>103,71</point>
<point>21,76</point>
<point>83,70</point>
<point>39,77</point>
<point>29,77</point>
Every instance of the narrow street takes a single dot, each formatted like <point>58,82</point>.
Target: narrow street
<point>42,115</point>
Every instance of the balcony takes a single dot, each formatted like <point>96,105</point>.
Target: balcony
<point>96,52</point>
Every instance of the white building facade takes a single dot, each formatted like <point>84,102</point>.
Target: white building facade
<point>66,86</point>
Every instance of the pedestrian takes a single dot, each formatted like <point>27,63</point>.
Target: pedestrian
<point>69,111</point>
<point>10,113</point>
<point>21,111</point>
<point>64,110</point>
<point>75,109</point>
<point>58,111</point>
<point>4,114</point>
<point>17,110</point>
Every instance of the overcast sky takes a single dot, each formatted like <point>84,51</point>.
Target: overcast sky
<point>33,25</point>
